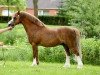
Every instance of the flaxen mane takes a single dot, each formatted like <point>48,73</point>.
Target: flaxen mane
<point>32,18</point>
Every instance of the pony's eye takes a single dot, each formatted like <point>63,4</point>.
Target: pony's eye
<point>14,18</point>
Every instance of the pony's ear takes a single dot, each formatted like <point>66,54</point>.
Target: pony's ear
<point>18,12</point>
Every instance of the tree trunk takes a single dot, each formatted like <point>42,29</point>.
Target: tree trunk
<point>35,6</point>
<point>8,8</point>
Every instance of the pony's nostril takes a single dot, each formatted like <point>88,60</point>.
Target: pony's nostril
<point>9,25</point>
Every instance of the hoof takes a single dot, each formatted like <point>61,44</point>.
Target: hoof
<point>66,66</point>
<point>34,65</point>
<point>79,66</point>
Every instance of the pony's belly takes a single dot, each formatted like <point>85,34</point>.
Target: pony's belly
<point>49,44</point>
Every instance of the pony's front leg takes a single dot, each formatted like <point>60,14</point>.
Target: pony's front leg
<point>35,55</point>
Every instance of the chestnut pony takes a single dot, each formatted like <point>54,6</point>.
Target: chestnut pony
<point>39,34</point>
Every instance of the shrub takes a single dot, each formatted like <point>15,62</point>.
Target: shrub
<point>53,54</point>
<point>91,51</point>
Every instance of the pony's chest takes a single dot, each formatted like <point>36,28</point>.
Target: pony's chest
<point>34,38</point>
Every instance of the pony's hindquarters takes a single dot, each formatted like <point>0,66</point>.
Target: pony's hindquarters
<point>73,43</point>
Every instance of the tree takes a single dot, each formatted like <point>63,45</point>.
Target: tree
<point>85,14</point>
<point>61,11</point>
<point>35,6</point>
<point>21,4</point>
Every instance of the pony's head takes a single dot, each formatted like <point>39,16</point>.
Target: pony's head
<point>15,19</point>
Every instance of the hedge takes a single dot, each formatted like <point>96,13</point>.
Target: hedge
<point>50,20</point>
<point>54,20</point>
<point>4,19</point>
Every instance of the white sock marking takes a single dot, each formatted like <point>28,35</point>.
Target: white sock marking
<point>79,61</point>
<point>67,63</point>
<point>34,62</point>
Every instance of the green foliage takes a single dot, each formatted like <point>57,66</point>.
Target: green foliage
<point>91,51</point>
<point>20,4</point>
<point>53,54</point>
<point>84,14</point>
<point>11,37</point>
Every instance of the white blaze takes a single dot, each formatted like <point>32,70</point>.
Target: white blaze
<point>10,21</point>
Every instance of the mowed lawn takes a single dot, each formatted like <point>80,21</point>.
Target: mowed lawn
<point>25,68</point>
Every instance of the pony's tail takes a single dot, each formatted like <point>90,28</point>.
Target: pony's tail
<point>79,47</point>
<point>78,42</point>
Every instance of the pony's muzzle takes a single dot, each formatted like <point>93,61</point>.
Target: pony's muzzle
<point>10,25</point>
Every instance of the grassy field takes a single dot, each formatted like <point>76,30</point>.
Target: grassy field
<point>24,68</point>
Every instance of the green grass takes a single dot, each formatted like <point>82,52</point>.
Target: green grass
<point>24,68</point>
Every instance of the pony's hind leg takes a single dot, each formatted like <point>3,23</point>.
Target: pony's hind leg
<point>67,63</point>
<point>77,57</point>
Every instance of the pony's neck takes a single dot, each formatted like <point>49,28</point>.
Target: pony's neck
<point>30,27</point>
<point>31,23</point>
